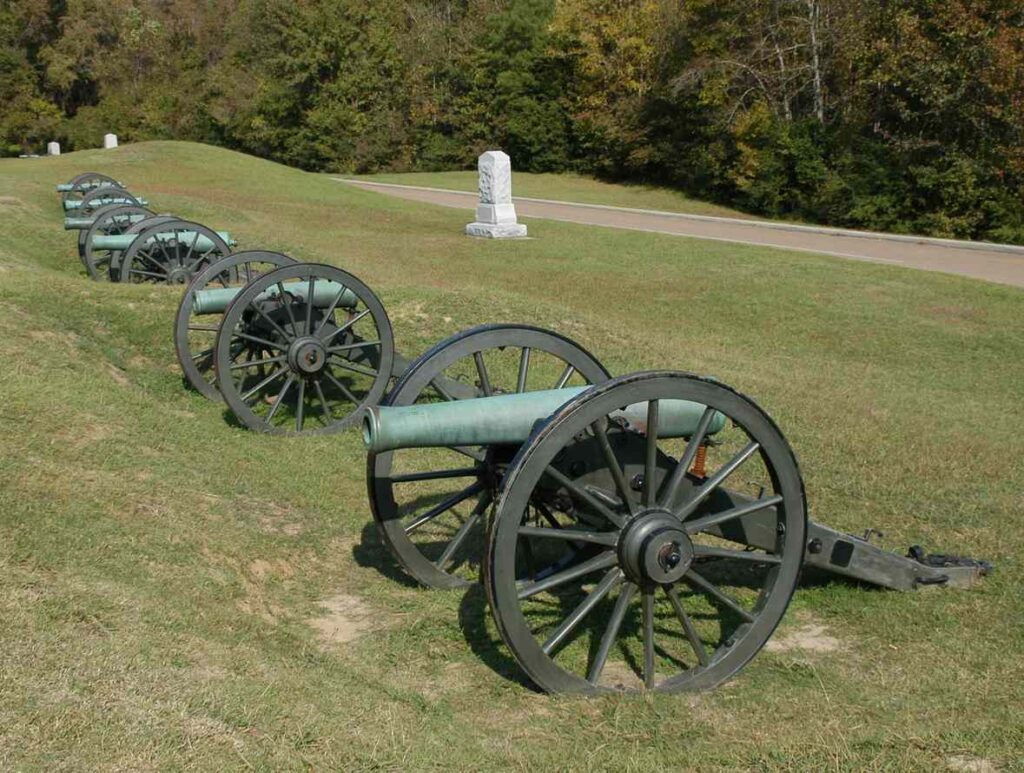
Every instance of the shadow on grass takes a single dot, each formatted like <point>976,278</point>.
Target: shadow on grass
<point>372,553</point>
<point>232,421</point>
<point>473,613</point>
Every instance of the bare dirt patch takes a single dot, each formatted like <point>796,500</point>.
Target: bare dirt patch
<point>89,430</point>
<point>965,762</point>
<point>272,525</point>
<point>279,569</point>
<point>807,638</point>
<point>620,676</point>
<point>345,619</point>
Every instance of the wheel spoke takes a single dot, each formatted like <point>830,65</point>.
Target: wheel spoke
<point>592,599</point>
<point>276,374</point>
<point>585,495</point>
<point>346,326</point>
<point>344,389</point>
<point>524,367</point>
<point>262,341</point>
<point>671,485</point>
<point>280,397</point>
<point>441,390</point>
<point>463,532</point>
<point>146,273</point>
<point>611,632</point>
<point>481,369</point>
<point>648,621</point>
<point>309,305</point>
<point>564,378</point>
<point>651,455</point>
<point>273,324</point>
<point>461,472</point>
<point>446,504</point>
<point>204,328</point>
<point>357,345</point>
<point>600,432</point>
<point>191,247</point>
<point>349,365</point>
<point>606,538</point>
<point>715,480</point>
<point>300,407</point>
<point>255,363</point>
<point>699,582</point>
<point>286,301</point>
<point>330,312</point>
<point>604,560</point>
<point>702,524</point>
<point>328,416</point>
<point>688,628</point>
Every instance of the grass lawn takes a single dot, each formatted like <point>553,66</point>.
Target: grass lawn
<point>568,187</point>
<point>177,592</point>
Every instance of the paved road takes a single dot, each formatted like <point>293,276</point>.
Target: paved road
<point>1003,264</point>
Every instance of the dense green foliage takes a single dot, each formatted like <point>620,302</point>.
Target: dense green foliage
<point>906,115</point>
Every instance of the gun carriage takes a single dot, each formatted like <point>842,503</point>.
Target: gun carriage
<point>79,185</point>
<point>92,200</point>
<point>640,532</point>
<point>657,520</point>
<point>129,244</point>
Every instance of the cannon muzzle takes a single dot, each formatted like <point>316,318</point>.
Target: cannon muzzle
<point>124,241</point>
<point>85,223</point>
<point>113,198</point>
<point>505,419</point>
<point>325,293</point>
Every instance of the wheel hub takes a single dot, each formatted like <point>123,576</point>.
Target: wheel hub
<point>654,548</point>
<point>307,355</point>
<point>179,276</point>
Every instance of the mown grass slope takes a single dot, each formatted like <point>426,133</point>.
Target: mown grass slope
<point>178,592</point>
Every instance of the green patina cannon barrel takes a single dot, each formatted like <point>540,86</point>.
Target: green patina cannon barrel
<point>85,223</point>
<point>124,241</point>
<point>505,419</point>
<point>117,196</point>
<point>84,186</point>
<point>325,293</point>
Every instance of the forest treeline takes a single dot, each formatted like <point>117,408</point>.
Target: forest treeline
<point>903,115</point>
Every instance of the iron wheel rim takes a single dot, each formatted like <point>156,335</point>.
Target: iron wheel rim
<point>150,260</point>
<point>367,307</point>
<point>203,379</point>
<point>411,386</point>
<point>730,654</point>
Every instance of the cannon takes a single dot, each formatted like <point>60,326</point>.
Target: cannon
<point>92,200</point>
<point>656,519</point>
<point>246,332</point>
<point>79,185</point>
<point>160,249</point>
<point>108,220</point>
<point>290,347</point>
<point>101,197</point>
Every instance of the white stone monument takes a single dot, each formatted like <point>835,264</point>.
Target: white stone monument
<point>53,148</point>
<point>496,214</point>
<point>109,141</point>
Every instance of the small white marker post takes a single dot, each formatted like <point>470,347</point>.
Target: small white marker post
<point>109,141</point>
<point>496,214</point>
<point>53,148</point>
